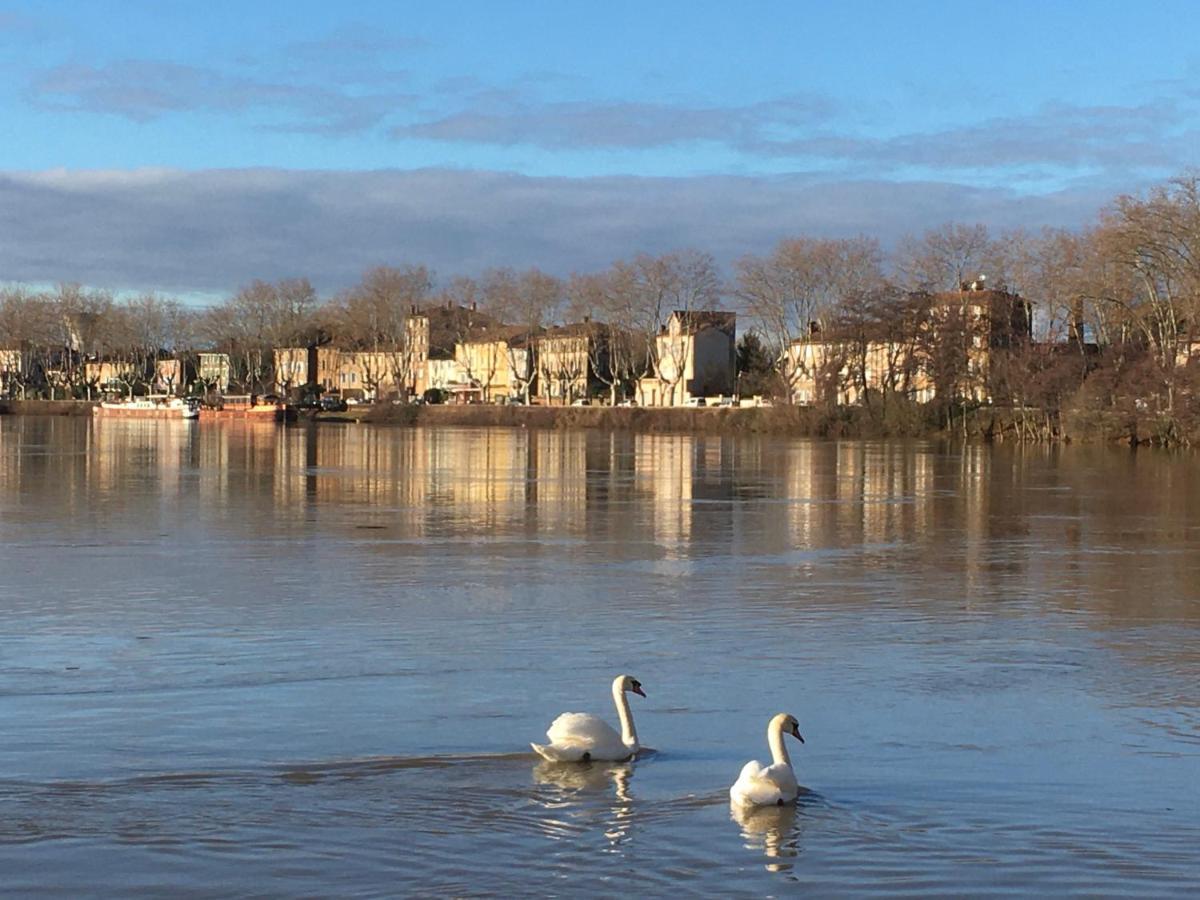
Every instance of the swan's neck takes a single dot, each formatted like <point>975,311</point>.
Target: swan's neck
<point>779,752</point>
<point>628,732</point>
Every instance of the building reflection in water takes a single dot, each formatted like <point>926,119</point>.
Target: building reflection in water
<point>1082,529</point>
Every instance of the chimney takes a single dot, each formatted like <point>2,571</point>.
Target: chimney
<point>587,320</point>
<point>814,328</point>
<point>472,306</point>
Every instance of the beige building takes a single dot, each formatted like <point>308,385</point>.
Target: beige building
<point>563,363</point>
<point>839,371</point>
<point>298,366</point>
<point>11,368</point>
<point>498,365</point>
<point>361,374</point>
<point>696,357</point>
<point>109,375</point>
<point>371,375</point>
<point>168,376</point>
<point>972,323</point>
<point>416,345</point>
<point>214,370</point>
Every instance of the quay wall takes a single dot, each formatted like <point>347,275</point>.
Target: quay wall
<point>47,407</point>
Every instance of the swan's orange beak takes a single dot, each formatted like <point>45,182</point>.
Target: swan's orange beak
<point>796,733</point>
<point>637,689</point>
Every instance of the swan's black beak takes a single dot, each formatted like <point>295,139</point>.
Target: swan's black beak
<point>637,689</point>
<point>796,733</point>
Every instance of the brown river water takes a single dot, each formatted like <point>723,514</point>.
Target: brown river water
<point>259,660</point>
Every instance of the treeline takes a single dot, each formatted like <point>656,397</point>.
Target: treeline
<point>1115,313</point>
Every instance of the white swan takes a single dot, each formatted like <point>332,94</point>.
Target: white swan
<point>581,737</point>
<point>776,784</point>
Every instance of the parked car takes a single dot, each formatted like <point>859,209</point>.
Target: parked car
<point>696,401</point>
<point>333,404</point>
<point>582,401</point>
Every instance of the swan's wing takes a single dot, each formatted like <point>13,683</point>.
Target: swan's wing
<point>558,754</point>
<point>758,786</point>
<point>784,778</point>
<point>750,771</point>
<point>582,730</point>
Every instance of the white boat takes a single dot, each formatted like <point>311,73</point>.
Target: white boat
<point>150,407</point>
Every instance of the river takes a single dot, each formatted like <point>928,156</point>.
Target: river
<point>287,660</point>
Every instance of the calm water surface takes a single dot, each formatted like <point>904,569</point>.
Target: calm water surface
<point>297,661</point>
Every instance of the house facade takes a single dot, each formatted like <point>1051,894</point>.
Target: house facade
<point>214,370</point>
<point>498,365</point>
<point>11,371</point>
<point>565,360</point>
<point>696,357</point>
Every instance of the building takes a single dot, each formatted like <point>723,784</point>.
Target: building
<point>949,353</point>
<point>841,372</point>
<point>416,346</point>
<point>213,369</point>
<point>361,374</point>
<point>498,362</point>
<point>168,376</point>
<point>110,375</point>
<point>566,360</point>
<point>11,371</point>
<point>696,357</point>
<point>370,375</point>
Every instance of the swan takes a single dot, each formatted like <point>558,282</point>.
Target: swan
<point>582,737</point>
<point>775,784</point>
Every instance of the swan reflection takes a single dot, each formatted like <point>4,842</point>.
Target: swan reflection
<point>586,777</point>
<point>771,829</point>
<point>576,784</point>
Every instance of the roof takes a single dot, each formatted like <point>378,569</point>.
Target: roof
<point>694,320</point>
<point>574,329</point>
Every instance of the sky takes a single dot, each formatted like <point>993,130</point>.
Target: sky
<point>188,147</point>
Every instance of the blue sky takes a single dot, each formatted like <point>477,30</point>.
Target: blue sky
<point>189,146</point>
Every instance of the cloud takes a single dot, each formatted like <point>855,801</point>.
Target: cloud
<point>505,118</point>
<point>1160,133</point>
<point>144,90</point>
<point>354,40</point>
<point>211,231</point>
<point>1149,134</point>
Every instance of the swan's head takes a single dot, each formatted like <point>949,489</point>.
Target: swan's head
<point>631,684</point>
<point>789,725</point>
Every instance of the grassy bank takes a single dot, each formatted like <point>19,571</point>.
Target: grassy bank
<point>781,420</point>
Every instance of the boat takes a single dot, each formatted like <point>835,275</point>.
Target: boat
<point>246,406</point>
<point>155,406</point>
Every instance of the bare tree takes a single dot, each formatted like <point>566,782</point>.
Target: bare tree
<point>943,258</point>
<point>792,292</point>
<point>530,300</point>
<point>373,317</point>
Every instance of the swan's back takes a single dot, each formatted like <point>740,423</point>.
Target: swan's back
<point>580,736</point>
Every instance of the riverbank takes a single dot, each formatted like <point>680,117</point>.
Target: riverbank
<point>897,421</point>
